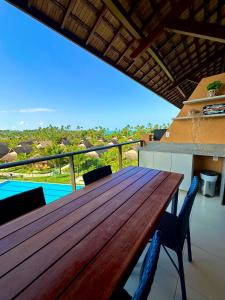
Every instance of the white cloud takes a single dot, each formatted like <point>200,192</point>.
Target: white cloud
<point>21,123</point>
<point>29,110</point>
<point>35,110</point>
<point>41,123</point>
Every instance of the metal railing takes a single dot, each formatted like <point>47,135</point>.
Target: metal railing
<point>70,156</point>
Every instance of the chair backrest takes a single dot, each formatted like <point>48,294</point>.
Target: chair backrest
<point>20,204</point>
<point>96,174</point>
<point>148,268</point>
<point>184,215</point>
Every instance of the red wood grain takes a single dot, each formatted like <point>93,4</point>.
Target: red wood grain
<point>15,225</point>
<point>89,242</point>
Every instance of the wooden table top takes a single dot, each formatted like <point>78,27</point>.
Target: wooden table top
<point>84,245</point>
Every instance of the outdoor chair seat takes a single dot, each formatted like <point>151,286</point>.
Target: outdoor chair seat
<point>175,229</point>
<point>168,226</point>
<point>20,204</point>
<point>96,174</point>
<point>147,274</point>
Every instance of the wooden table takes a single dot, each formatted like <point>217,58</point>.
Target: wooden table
<point>84,245</point>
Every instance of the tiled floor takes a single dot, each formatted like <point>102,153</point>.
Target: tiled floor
<point>205,276</point>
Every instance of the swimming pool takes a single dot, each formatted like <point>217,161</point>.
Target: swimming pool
<point>52,191</point>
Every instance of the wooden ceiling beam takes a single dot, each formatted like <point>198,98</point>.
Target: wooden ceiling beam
<point>182,92</point>
<point>113,39</point>
<point>209,60</point>
<point>97,22</point>
<point>207,31</point>
<point>67,13</point>
<point>175,12</point>
<point>119,12</point>
<point>193,80</point>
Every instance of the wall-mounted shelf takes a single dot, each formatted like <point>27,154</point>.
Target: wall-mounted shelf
<point>200,117</point>
<point>200,100</point>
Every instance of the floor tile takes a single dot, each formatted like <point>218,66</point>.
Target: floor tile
<point>191,294</point>
<point>205,276</point>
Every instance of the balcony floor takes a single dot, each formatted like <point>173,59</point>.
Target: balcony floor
<point>205,276</point>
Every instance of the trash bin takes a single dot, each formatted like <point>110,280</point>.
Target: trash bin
<point>208,183</point>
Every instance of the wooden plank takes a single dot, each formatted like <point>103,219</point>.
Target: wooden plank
<point>118,11</point>
<point>24,233</point>
<point>96,24</point>
<point>105,230</point>
<point>122,16</point>
<point>181,91</point>
<point>113,264</point>
<point>198,68</point>
<point>67,13</point>
<point>39,240</point>
<point>33,267</point>
<point>161,64</point>
<point>35,215</point>
<point>202,30</point>
<point>164,21</point>
<point>116,34</point>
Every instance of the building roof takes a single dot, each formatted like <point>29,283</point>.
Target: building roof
<point>64,141</point>
<point>9,157</point>
<point>165,45</point>
<point>23,149</point>
<point>26,143</point>
<point>131,154</point>
<point>93,154</point>
<point>44,144</point>
<point>3,149</point>
<point>85,144</point>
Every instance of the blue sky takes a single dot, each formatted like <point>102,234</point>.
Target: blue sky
<point>46,79</point>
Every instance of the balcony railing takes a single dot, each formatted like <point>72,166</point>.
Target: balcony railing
<point>70,155</point>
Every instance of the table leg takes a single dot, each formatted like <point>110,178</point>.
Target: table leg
<point>174,203</point>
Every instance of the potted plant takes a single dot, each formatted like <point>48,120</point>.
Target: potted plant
<point>213,88</point>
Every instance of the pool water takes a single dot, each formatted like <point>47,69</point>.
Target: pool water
<point>52,191</point>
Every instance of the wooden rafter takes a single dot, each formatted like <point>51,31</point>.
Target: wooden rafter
<point>97,22</point>
<point>124,52</point>
<point>157,7</point>
<point>193,80</point>
<point>117,10</point>
<point>113,39</point>
<point>67,13</point>
<point>208,31</point>
<point>122,16</point>
<point>181,5</point>
<point>209,60</point>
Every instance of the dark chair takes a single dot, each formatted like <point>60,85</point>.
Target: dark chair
<point>148,270</point>
<point>175,229</point>
<point>20,204</point>
<point>96,174</point>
